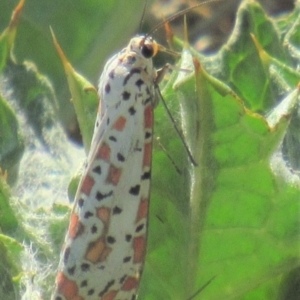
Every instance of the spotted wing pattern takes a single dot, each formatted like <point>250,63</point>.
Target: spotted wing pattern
<point>104,249</point>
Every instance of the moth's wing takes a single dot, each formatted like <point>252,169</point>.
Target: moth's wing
<point>108,237</point>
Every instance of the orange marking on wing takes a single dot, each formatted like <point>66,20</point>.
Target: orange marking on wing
<point>103,213</point>
<point>120,123</point>
<point>147,154</point>
<point>114,175</point>
<point>68,288</point>
<point>104,152</point>
<point>143,210</point>
<point>73,225</point>
<point>87,185</point>
<point>130,284</point>
<point>148,114</point>
<point>139,248</point>
<point>110,295</point>
<point>97,251</point>
<point>75,228</point>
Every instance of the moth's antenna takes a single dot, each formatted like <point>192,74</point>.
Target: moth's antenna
<point>169,156</point>
<point>202,288</point>
<point>180,13</point>
<point>177,130</point>
<point>143,15</point>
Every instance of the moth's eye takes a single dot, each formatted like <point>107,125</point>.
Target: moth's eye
<point>147,51</point>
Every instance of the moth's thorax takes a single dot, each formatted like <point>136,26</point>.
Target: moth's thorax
<point>128,72</point>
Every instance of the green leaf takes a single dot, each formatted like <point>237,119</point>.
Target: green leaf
<point>8,217</point>
<point>233,221</point>
<point>236,216</point>
<point>84,98</point>
<point>11,142</point>
<point>89,33</point>
<point>10,252</point>
<point>241,64</point>
<point>7,37</point>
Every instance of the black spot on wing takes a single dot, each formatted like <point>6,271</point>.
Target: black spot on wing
<point>146,175</point>
<point>112,138</point>
<point>147,135</point>
<point>139,83</point>
<point>111,74</point>
<point>128,237</point>
<point>111,239</point>
<point>117,210</point>
<point>133,297</point>
<point>85,267</point>
<point>122,279</point>
<point>109,284</point>
<point>120,157</point>
<point>100,196</point>
<point>94,229</point>
<point>139,228</point>
<point>147,101</point>
<point>71,271</point>
<point>97,170</point>
<point>126,259</point>
<point>135,190</point>
<point>132,110</point>
<point>107,88</point>
<point>132,72</point>
<point>91,292</point>
<point>126,95</point>
<point>80,202</point>
<point>66,254</point>
<point>88,214</point>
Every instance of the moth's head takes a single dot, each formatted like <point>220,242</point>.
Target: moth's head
<point>145,46</point>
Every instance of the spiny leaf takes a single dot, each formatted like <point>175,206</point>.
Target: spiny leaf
<point>84,98</point>
<point>232,217</point>
<point>7,37</point>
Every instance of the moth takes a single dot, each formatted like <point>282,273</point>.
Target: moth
<point>105,246</point>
